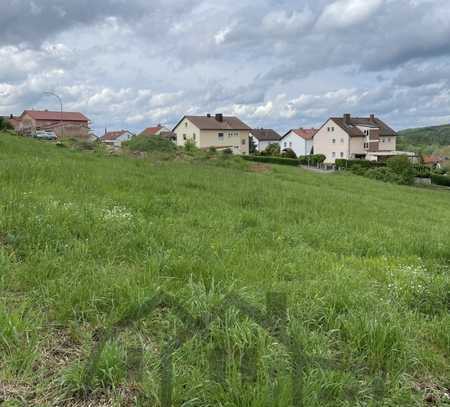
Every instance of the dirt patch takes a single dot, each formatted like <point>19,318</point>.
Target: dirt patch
<point>260,168</point>
<point>434,393</point>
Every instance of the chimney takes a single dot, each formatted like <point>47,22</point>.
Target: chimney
<point>208,115</point>
<point>347,118</point>
<point>219,117</point>
<point>372,118</point>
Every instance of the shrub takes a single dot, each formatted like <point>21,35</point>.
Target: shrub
<point>402,166</point>
<point>272,160</point>
<point>348,164</point>
<point>313,159</point>
<point>288,153</point>
<point>190,146</point>
<point>440,180</point>
<point>422,171</point>
<point>272,150</point>
<point>5,124</point>
<point>150,144</point>
<point>384,174</point>
<point>212,150</point>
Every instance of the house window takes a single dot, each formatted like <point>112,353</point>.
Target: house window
<point>342,155</point>
<point>383,140</point>
<point>334,141</point>
<point>194,136</point>
<point>389,140</point>
<point>328,129</point>
<point>366,145</point>
<point>230,134</point>
<point>236,134</point>
<point>244,142</point>
<point>285,144</point>
<point>334,154</point>
<point>332,129</point>
<point>290,144</point>
<point>220,135</point>
<point>184,137</point>
<point>185,124</point>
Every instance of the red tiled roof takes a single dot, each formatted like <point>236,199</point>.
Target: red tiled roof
<point>151,131</point>
<point>56,116</point>
<point>307,134</point>
<point>113,135</point>
<point>432,159</point>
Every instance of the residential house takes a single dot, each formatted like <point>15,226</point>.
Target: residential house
<point>434,161</point>
<point>12,120</point>
<point>160,130</point>
<point>219,131</point>
<point>116,138</point>
<point>156,130</point>
<point>299,140</point>
<point>263,138</point>
<point>67,124</point>
<point>350,137</point>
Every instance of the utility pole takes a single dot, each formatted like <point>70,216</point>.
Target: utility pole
<point>61,105</point>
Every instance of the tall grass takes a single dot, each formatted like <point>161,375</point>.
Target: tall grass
<point>84,238</point>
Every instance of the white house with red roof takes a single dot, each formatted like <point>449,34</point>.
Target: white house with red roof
<point>156,130</point>
<point>299,140</point>
<point>116,138</point>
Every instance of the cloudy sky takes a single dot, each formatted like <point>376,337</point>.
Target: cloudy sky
<point>275,63</point>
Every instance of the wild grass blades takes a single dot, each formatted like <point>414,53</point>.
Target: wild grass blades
<point>85,238</point>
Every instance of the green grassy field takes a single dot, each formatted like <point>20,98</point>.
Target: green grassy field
<point>86,238</point>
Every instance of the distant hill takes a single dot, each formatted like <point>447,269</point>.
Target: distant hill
<point>436,135</point>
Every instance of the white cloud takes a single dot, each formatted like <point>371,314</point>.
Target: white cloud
<point>346,13</point>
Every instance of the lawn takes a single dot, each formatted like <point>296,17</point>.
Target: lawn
<point>87,240</point>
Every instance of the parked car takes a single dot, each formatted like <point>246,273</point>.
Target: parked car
<point>45,135</point>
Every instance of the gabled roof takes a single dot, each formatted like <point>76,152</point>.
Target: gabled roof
<point>113,135</point>
<point>151,131</point>
<point>56,116</point>
<point>350,125</point>
<point>306,134</point>
<point>211,123</point>
<point>265,134</point>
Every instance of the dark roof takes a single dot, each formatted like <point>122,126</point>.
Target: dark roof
<point>265,134</point>
<point>354,131</point>
<point>56,116</point>
<point>210,123</point>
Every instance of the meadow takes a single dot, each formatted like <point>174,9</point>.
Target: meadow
<point>86,238</point>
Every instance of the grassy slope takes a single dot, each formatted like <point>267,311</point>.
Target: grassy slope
<point>83,238</point>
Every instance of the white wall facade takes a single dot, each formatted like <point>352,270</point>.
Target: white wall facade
<point>333,142</point>
<point>263,144</point>
<point>298,144</point>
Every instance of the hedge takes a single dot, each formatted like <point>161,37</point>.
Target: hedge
<point>422,171</point>
<point>440,180</point>
<point>272,160</point>
<point>313,159</point>
<point>348,164</point>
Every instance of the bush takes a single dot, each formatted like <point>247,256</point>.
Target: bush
<point>422,171</point>
<point>349,164</point>
<point>440,180</point>
<point>272,150</point>
<point>272,160</point>
<point>5,124</point>
<point>151,144</point>
<point>312,159</point>
<point>288,153</point>
<point>384,174</point>
<point>227,151</point>
<point>401,165</point>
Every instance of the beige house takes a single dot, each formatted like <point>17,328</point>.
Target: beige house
<point>348,137</point>
<point>221,132</point>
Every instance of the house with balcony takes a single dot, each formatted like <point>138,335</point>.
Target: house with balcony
<point>218,131</point>
<point>347,137</point>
